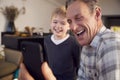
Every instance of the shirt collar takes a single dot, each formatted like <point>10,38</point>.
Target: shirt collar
<point>97,39</point>
<point>57,42</point>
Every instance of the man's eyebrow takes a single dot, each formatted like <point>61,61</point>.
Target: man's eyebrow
<point>78,15</point>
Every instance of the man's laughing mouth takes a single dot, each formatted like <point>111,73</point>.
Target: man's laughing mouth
<point>80,32</point>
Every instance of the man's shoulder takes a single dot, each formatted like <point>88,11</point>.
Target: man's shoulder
<point>110,35</point>
<point>109,38</point>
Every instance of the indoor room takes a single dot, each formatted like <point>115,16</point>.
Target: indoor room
<point>24,24</point>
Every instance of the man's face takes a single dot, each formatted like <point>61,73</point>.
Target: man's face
<point>82,22</point>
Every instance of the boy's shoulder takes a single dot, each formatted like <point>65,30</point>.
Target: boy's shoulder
<point>47,36</point>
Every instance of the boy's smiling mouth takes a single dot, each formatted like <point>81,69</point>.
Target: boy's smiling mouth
<point>58,30</point>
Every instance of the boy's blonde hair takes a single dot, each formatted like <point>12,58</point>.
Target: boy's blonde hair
<point>61,11</point>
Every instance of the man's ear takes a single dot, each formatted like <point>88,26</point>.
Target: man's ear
<point>98,13</point>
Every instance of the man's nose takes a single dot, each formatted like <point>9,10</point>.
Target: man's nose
<point>73,26</point>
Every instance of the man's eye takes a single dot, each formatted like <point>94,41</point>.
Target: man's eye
<point>69,21</point>
<point>79,19</point>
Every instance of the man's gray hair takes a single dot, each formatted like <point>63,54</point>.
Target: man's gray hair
<point>90,3</point>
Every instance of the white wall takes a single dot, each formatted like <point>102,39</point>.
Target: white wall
<point>37,13</point>
<point>110,7</point>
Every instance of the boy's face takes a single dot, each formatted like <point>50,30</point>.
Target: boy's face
<point>59,26</point>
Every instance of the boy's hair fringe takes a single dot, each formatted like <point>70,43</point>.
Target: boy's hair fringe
<point>59,11</point>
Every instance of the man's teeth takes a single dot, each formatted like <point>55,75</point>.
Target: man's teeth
<point>80,32</point>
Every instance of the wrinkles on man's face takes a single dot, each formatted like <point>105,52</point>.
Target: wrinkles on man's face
<point>81,22</point>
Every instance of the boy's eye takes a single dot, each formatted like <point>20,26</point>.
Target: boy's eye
<point>55,22</point>
<point>63,23</point>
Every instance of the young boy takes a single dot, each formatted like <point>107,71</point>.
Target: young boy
<point>63,51</point>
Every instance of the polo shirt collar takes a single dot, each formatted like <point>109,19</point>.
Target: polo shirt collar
<point>96,40</point>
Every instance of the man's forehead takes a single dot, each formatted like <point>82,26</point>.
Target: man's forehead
<point>68,2</point>
<point>74,8</point>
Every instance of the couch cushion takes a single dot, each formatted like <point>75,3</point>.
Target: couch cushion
<point>2,54</point>
<point>7,68</point>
